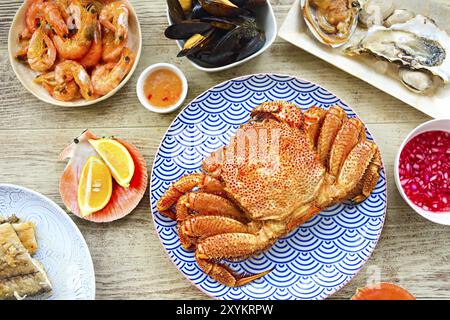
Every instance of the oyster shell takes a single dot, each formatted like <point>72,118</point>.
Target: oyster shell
<point>418,81</point>
<point>332,22</point>
<point>398,16</point>
<point>374,12</point>
<point>416,44</point>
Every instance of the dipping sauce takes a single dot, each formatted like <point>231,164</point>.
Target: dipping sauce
<point>163,88</point>
<point>424,170</point>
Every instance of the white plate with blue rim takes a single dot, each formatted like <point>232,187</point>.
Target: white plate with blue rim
<point>62,249</point>
<point>312,262</point>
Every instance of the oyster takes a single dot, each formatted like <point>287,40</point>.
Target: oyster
<point>418,81</point>
<point>332,22</point>
<point>374,12</point>
<point>417,44</point>
<point>398,16</point>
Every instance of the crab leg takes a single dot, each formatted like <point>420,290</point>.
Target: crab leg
<point>207,226</point>
<point>229,245</point>
<point>331,125</point>
<point>355,166</point>
<point>283,111</point>
<point>185,184</point>
<point>206,204</point>
<point>301,216</point>
<point>369,180</point>
<point>346,139</point>
<point>314,117</point>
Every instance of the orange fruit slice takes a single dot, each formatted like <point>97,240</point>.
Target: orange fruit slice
<point>383,291</point>
<point>95,186</point>
<point>117,158</point>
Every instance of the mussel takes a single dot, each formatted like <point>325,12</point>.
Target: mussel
<point>216,32</point>
<point>222,8</point>
<point>176,11</point>
<point>186,29</point>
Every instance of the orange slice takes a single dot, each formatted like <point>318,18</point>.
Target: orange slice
<point>95,186</point>
<point>117,158</point>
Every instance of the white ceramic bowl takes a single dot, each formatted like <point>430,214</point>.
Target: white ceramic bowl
<point>140,87</point>
<point>266,20</point>
<point>437,124</point>
<point>26,75</point>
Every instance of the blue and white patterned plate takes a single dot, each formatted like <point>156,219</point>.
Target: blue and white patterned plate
<point>312,262</point>
<point>61,246</point>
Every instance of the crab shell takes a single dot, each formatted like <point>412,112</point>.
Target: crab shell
<point>123,200</point>
<point>268,188</point>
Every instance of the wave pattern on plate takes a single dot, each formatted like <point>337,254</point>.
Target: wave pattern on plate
<point>312,262</point>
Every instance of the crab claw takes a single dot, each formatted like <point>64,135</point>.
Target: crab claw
<point>123,200</point>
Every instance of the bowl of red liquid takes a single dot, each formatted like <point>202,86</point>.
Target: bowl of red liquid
<point>422,170</point>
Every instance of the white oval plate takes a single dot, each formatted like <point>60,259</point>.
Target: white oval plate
<point>366,68</point>
<point>61,246</point>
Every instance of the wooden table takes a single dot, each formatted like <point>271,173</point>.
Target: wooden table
<point>129,260</point>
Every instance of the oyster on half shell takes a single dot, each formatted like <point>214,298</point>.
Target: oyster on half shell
<point>417,44</point>
<point>332,22</point>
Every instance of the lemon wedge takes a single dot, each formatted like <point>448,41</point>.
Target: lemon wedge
<point>117,158</point>
<point>95,187</point>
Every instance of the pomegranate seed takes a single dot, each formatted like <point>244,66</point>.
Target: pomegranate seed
<point>424,170</point>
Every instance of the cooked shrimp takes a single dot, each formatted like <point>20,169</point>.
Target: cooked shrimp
<point>55,19</point>
<point>94,54</point>
<point>107,77</point>
<point>74,15</point>
<point>48,11</point>
<point>25,34</point>
<point>34,14</point>
<point>41,52</point>
<point>69,70</point>
<point>21,54</point>
<point>67,91</point>
<point>63,6</point>
<point>114,16</point>
<point>76,46</point>
<point>111,50</point>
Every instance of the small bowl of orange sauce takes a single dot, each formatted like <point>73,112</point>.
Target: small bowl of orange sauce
<point>162,88</point>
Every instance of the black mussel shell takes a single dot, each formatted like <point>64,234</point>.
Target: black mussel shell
<point>223,22</point>
<point>222,8</point>
<point>252,46</point>
<point>196,43</point>
<point>237,44</point>
<point>176,12</point>
<point>197,11</point>
<point>186,29</point>
<point>249,4</point>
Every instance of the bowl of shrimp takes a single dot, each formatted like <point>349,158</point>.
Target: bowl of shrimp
<point>74,53</point>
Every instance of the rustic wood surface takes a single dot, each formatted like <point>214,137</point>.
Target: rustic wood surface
<point>129,260</point>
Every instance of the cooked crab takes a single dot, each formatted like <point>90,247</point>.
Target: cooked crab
<point>279,170</point>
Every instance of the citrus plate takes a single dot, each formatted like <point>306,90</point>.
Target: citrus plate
<point>312,262</point>
<point>62,249</point>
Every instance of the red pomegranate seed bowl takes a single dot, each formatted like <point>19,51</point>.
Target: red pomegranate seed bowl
<point>422,170</point>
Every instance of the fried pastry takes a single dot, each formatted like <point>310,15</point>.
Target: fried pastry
<point>20,274</point>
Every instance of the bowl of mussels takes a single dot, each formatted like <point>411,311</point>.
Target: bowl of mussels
<point>216,35</point>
